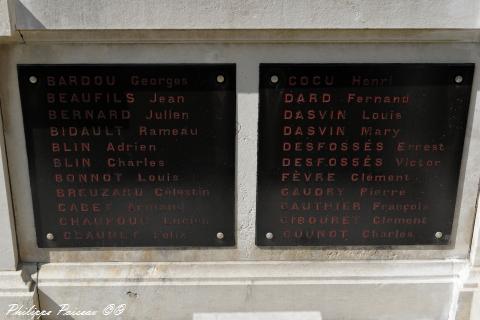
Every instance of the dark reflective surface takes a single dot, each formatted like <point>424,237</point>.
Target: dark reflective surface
<point>131,155</point>
<point>360,154</point>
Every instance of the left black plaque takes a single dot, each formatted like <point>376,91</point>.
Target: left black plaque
<point>131,155</point>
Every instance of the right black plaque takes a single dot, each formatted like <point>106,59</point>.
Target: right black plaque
<point>360,154</point>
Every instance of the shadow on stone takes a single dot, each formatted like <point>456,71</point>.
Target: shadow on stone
<point>47,304</point>
<point>29,21</point>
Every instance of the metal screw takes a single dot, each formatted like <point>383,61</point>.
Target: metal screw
<point>220,78</point>
<point>33,79</point>
<point>438,235</point>
<point>220,236</point>
<point>50,236</point>
<point>458,79</point>
<point>269,235</point>
<point>274,79</point>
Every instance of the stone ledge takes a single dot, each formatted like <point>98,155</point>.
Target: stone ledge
<point>394,290</point>
<point>17,287</point>
<point>251,36</point>
<point>17,282</point>
<point>233,14</point>
<point>472,281</point>
<point>433,271</point>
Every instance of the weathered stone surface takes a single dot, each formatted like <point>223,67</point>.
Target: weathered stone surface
<point>355,290</point>
<point>17,288</point>
<point>232,14</point>
<point>5,22</point>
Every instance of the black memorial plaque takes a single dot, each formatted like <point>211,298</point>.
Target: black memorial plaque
<point>131,155</point>
<point>360,154</point>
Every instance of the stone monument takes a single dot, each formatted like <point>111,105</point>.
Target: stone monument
<point>239,159</point>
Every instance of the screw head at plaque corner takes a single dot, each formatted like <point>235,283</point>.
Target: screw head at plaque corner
<point>269,235</point>
<point>438,235</point>
<point>458,79</point>
<point>274,79</point>
<point>50,236</point>
<point>220,78</point>
<point>33,79</point>
<point>220,236</point>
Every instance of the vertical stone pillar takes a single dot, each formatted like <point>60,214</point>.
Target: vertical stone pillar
<point>8,252</point>
<point>468,307</point>
<point>5,19</point>
<point>16,287</point>
<point>8,244</point>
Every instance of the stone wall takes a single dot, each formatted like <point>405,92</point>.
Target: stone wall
<point>416,282</point>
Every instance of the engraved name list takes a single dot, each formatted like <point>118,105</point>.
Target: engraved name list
<point>360,154</point>
<point>130,155</point>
